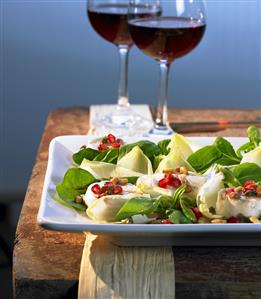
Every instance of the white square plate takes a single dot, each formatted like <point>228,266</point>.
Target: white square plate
<point>52,215</point>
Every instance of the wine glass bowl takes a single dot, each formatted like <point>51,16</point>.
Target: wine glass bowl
<point>165,37</point>
<point>110,20</point>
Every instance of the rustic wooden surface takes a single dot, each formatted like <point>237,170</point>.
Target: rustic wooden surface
<point>47,263</point>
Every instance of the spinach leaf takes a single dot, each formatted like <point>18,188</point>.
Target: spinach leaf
<point>178,193</point>
<point>156,161</point>
<point>221,152</point>
<point>75,182</point>
<point>85,153</point>
<point>246,172</point>
<point>188,213</point>
<point>203,158</point>
<point>177,217</point>
<point>163,146</point>
<point>253,134</point>
<point>81,207</point>
<point>150,149</point>
<point>229,179</point>
<point>239,174</point>
<point>135,206</point>
<point>163,203</point>
<point>226,148</point>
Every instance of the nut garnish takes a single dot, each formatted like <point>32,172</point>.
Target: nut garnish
<point>78,198</point>
<point>218,221</point>
<point>254,219</point>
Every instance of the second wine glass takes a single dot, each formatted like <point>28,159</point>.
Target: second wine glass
<point>173,34</point>
<point>109,18</point>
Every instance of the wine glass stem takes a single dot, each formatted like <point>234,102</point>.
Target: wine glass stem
<point>123,100</point>
<point>161,121</point>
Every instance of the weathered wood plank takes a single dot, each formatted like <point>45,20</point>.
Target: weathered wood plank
<point>109,271</point>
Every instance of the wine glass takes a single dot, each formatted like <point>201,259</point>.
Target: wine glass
<point>173,34</point>
<point>109,18</point>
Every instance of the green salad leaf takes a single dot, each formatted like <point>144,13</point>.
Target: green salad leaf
<point>163,146</point>
<point>239,174</point>
<point>187,211</point>
<point>246,172</point>
<point>203,158</point>
<point>85,153</point>
<point>135,206</point>
<point>221,152</point>
<point>177,217</point>
<point>75,182</point>
<point>253,134</point>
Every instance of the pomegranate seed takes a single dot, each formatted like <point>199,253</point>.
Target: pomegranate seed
<point>102,147</point>
<point>197,212</point>
<point>108,184</point>
<point>174,182</point>
<point>102,194</point>
<point>163,183</point>
<point>96,189</point>
<point>249,188</point>
<point>169,176</point>
<point>229,190</point>
<point>165,221</point>
<point>119,140</point>
<point>111,138</point>
<point>247,183</point>
<point>233,219</point>
<point>116,189</point>
<point>115,145</point>
<point>104,189</point>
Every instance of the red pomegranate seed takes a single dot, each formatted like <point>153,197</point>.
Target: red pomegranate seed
<point>247,183</point>
<point>229,190</point>
<point>116,189</point>
<point>165,221</point>
<point>96,189</point>
<point>102,194</point>
<point>104,189</point>
<point>102,147</point>
<point>115,145</point>
<point>197,212</point>
<point>249,188</point>
<point>169,176</point>
<point>119,140</point>
<point>233,219</point>
<point>108,184</point>
<point>111,138</point>
<point>174,182</point>
<point>163,183</point>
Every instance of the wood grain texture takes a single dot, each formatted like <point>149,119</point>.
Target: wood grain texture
<point>47,263</point>
<point>109,271</point>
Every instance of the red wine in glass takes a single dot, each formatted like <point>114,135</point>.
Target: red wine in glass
<point>111,21</point>
<point>166,38</point>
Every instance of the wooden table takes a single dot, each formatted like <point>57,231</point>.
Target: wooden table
<point>46,263</point>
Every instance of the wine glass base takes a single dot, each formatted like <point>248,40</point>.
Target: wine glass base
<point>123,121</point>
<point>161,130</point>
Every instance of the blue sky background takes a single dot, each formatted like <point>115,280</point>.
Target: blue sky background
<point>51,57</point>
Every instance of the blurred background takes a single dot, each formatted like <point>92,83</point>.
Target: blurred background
<point>51,57</point>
